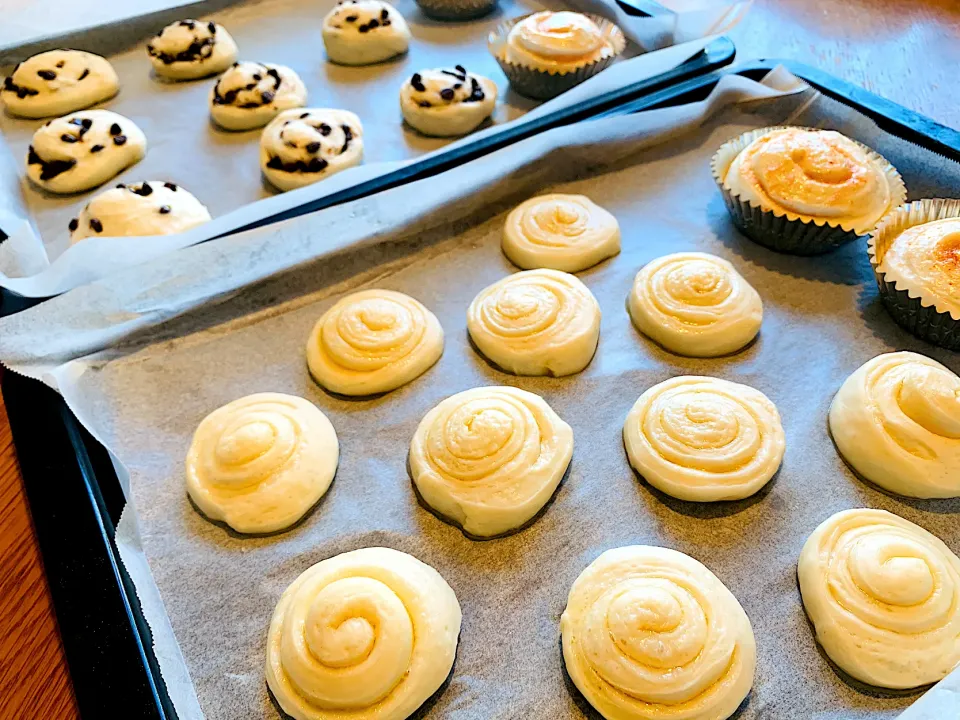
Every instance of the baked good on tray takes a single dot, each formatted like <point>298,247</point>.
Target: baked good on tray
<point>82,150</point>
<point>489,459</point>
<point>363,32</point>
<point>58,82</point>
<point>249,95</point>
<point>304,145</point>
<point>190,49</point>
<point>145,208</point>
<point>447,102</point>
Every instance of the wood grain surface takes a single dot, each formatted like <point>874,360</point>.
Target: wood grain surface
<point>905,50</point>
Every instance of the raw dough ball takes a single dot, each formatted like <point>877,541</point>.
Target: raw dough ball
<point>260,462</point>
<point>249,95</point>
<point>58,82</point>
<point>190,49</point>
<point>536,322</point>
<point>366,635</point>
<point>82,150</point>
<point>704,439</point>
<point>373,341</point>
<point>363,32</point>
<point>651,634</point>
<point>447,102</point>
<point>490,458</point>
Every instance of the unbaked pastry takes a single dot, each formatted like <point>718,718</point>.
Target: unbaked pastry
<point>536,322</point>
<point>925,260</point>
<point>557,41</point>
<point>369,634</point>
<point>58,82</point>
<point>883,595</point>
<point>363,32</point>
<point>82,150</point>
<point>490,458</point>
<point>190,49</point>
<point>447,102</point>
<point>302,146</point>
<point>704,439</point>
<point>695,304</point>
<point>249,95</point>
<point>896,420</point>
<point>373,341</point>
<point>651,634</point>
<point>560,232</point>
<point>260,462</point>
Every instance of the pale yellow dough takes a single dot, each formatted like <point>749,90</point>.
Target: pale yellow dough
<point>925,261</point>
<point>651,634</point>
<point>366,635</point>
<point>205,48</point>
<point>363,32</point>
<point>447,102</point>
<point>883,595</point>
<point>557,41</point>
<point>249,95</point>
<point>490,458</point>
<point>58,82</point>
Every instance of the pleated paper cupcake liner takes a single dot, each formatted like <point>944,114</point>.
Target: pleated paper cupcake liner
<point>544,84</point>
<point>781,232</point>
<point>914,311</point>
<point>456,9</point>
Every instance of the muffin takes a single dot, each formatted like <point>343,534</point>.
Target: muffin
<point>447,102</point>
<point>804,191</point>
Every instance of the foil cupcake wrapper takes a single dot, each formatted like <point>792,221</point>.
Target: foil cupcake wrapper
<point>781,233</point>
<point>542,84</point>
<point>456,9</point>
<point>909,307</point>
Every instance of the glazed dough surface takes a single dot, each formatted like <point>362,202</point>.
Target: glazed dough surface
<point>925,259</point>
<point>446,102</point>
<point>366,635</point>
<point>363,32</point>
<point>249,95</point>
<point>896,420</point>
<point>373,341</point>
<point>560,232</point>
<point>884,597</point>
<point>58,82</point>
<point>695,304</point>
<point>704,439</point>
<point>557,41</point>
<point>190,49</point>
<point>651,634</point>
<point>490,458</point>
<point>260,462</point>
<point>536,322</point>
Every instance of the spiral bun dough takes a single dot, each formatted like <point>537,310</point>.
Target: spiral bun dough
<point>704,439</point>
<point>58,82</point>
<point>896,420</point>
<point>82,150</point>
<point>249,95</point>
<point>924,260</point>
<point>558,42</point>
<point>651,634</point>
<point>447,102</point>
<point>190,49</point>
<point>695,304</point>
<point>883,595</point>
<point>490,458</point>
<point>260,462</point>
<point>536,322</point>
<point>369,634</point>
<point>363,32</point>
<point>560,232</point>
<point>373,341</point>
<point>301,146</point>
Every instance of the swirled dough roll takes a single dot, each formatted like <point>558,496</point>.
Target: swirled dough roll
<point>896,420</point>
<point>884,597</point>
<point>490,458</point>
<point>260,462</point>
<point>695,304</point>
<point>651,634</point>
<point>704,439</point>
<point>366,635</point>
<point>446,102</point>
<point>190,49</point>
<point>58,82</point>
<point>373,341</point>
<point>249,95</point>
<point>363,32</point>
<point>536,322</point>
<point>560,232</point>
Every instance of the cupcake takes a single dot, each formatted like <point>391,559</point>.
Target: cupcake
<point>915,254</point>
<point>803,191</point>
<point>456,9</point>
<point>547,53</point>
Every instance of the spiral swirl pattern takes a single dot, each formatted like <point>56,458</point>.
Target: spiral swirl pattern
<point>490,458</point>
<point>896,420</point>
<point>373,341</point>
<point>695,304</point>
<point>367,634</point>
<point>884,597</point>
<point>536,322</point>
<point>651,634</point>
<point>925,260</point>
<point>557,41</point>
<point>704,439</point>
<point>260,462</point>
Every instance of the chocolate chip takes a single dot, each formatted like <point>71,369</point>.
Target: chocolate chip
<point>69,138</point>
<point>47,74</point>
<point>74,224</point>
<point>96,225</point>
<point>457,86</point>
<point>258,77</point>
<point>120,186</point>
<point>115,129</point>
<point>267,97</point>
<point>363,29</point>
<point>144,190</point>
<point>373,23</point>
<point>164,209</point>
<point>170,186</point>
<point>250,86</point>
<point>96,148</point>
<point>304,115</point>
<point>249,105</point>
<point>61,64</point>
<point>119,139</point>
<point>313,147</point>
<point>86,71</point>
<point>461,68</point>
<point>347,137</point>
<point>386,23</point>
<point>424,103</point>
<point>417,82</point>
<point>275,163</point>
<point>188,24</point>
<point>87,123</point>
<point>384,14</point>
<point>447,94</point>
<point>324,129</point>
<point>351,18</point>
<point>212,27</point>
<point>230,96</point>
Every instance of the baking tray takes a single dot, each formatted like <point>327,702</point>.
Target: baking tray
<point>106,638</point>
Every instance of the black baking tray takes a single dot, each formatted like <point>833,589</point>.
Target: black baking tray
<point>76,498</point>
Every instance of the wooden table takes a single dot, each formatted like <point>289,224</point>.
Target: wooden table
<point>905,50</point>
